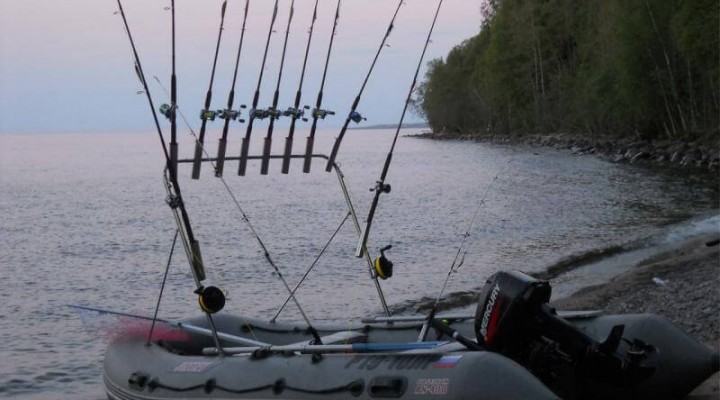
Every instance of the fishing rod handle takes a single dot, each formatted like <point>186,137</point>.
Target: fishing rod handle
<point>244,154</point>
<point>308,151</point>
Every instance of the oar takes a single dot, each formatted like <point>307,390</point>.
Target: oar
<point>330,348</point>
<point>181,325</point>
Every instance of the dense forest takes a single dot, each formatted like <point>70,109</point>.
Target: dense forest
<point>648,68</point>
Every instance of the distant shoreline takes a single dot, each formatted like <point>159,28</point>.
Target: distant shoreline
<point>416,125</point>
<point>703,153</point>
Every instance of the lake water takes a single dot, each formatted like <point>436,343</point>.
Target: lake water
<point>84,221</point>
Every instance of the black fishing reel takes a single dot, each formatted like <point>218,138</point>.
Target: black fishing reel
<point>381,187</point>
<point>208,115</point>
<point>231,114</point>
<point>319,113</point>
<point>167,110</point>
<point>356,117</point>
<point>259,113</point>
<point>295,113</point>
<point>514,318</point>
<point>211,299</point>
<point>274,113</point>
<point>383,266</point>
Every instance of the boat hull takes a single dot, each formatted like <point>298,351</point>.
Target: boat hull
<point>178,368</point>
<point>134,370</point>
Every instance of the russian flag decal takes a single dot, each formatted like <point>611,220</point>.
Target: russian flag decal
<point>446,362</point>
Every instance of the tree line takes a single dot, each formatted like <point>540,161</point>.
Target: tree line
<point>647,68</point>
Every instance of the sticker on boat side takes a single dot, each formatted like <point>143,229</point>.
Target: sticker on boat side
<point>432,386</point>
<point>447,362</point>
<point>192,366</point>
<point>392,362</point>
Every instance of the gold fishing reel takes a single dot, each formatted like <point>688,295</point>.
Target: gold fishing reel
<point>383,266</point>
<point>210,299</point>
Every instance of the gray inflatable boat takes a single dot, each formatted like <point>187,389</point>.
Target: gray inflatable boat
<point>514,347</point>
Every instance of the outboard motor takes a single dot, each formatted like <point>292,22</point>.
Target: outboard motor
<point>514,318</point>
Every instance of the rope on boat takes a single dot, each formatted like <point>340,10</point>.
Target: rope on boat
<point>355,387</point>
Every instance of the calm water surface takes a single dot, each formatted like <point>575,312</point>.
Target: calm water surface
<point>84,222</point>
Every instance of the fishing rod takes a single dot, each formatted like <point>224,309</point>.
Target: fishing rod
<point>353,115</point>
<point>455,265</point>
<point>173,100</point>
<point>296,112</point>
<point>230,114</point>
<point>273,112</point>
<point>254,112</point>
<point>176,324</point>
<point>317,112</point>
<point>381,186</point>
<point>175,200</point>
<point>206,114</point>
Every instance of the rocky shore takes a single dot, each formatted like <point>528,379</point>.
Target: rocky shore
<point>703,152</point>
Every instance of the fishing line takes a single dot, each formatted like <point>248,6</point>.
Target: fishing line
<point>322,251</point>
<point>206,114</point>
<point>453,267</point>
<point>229,114</point>
<point>317,112</point>
<point>162,287</point>
<point>254,112</point>
<point>296,112</point>
<point>354,115</point>
<point>273,112</point>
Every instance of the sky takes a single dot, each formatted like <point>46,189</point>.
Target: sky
<point>66,66</point>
